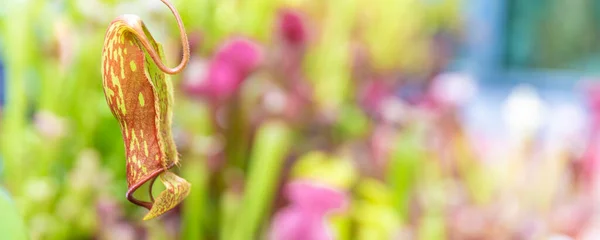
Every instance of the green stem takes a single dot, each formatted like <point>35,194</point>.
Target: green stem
<point>272,143</point>
<point>194,207</point>
<point>17,35</point>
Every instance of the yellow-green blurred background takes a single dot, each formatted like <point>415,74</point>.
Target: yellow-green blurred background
<point>300,119</point>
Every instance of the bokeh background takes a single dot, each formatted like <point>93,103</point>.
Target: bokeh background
<point>298,119</point>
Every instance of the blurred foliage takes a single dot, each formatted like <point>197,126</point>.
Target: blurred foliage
<point>346,105</point>
<point>11,223</point>
<point>556,34</point>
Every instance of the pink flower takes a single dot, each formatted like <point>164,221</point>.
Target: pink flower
<point>291,27</point>
<point>290,48</point>
<point>590,158</point>
<point>304,218</point>
<point>373,93</point>
<point>231,65</point>
<point>593,99</point>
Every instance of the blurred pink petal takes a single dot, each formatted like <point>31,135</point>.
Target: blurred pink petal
<point>304,219</point>
<point>313,197</point>
<point>231,65</point>
<point>291,26</point>
<point>590,156</point>
<point>224,80</point>
<point>240,54</point>
<point>593,98</point>
<point>381,144</point>
<point>294,223</point>
<point>373,93</point>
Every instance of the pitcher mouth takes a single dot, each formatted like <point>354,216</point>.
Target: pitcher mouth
<point>150,177</point>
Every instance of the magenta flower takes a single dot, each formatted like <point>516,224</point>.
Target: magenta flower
<point>291,27</point>
<point>289,53</point>
<point>231,65</point>
<point>304,218</point>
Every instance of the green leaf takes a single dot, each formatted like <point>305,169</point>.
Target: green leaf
<point>272,143</point>
<point>11,222</point>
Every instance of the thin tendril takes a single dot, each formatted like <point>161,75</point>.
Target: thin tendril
<point>184,41</point>
<point>150,189</point>
<point>138,30</point>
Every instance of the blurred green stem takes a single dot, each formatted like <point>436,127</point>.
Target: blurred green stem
<point>11,223</point>
<point>405,159</point>
<point>17,35</point>
<point>236,134</point>
<point>194,208</point>
<point>329,64</point>
<point>197,221</point>
<point>271,145</point>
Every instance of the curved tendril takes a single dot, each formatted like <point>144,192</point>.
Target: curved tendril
<point>184,42</point>
<point>150,189</point>
<point>140,33</point>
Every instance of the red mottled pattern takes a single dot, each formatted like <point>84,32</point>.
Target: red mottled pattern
<point>131,97</point>
<point>140,97</point>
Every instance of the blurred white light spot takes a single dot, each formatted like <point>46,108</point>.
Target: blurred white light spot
<point>523,111</point>
<point>195,72</point>
<point>49,125</point>
<point>275,101</point>
<point>40,190</point>
<point>566,126</point>
<point>393,110</point>
<point>454,88</point>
